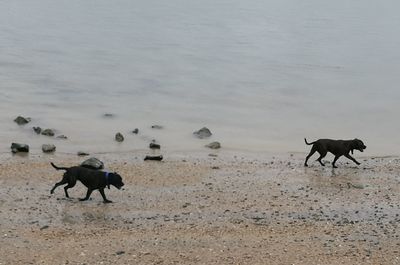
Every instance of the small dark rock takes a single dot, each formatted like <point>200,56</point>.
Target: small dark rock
<point>119,137</point>
<point>203,133</point>
<point>214,145</point>
<point>48,148</point>
<point>120,252</point>
<point>62,137</point>
<point>154,146</point>
<point>156,158</point>
<point>159,127</point>
<point>80,153</point>
<point>21,120</point>
<point>44,227</point>
<point>37,130</point>
<point>108,115</point>
<point>93,163</point>
<point>136,131</point>
<point>48,132</point>
<point>15,148</point>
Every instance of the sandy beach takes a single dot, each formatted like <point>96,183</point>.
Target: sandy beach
<point>200,209</point>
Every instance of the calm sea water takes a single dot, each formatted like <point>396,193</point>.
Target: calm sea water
<point>262,75</point>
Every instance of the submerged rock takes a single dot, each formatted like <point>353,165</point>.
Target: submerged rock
<point>93,163</point>
<point>108,115</point>
<point>203,133</point>
<point>159,127</point>
<point>119,137</point>
<point>214,145</point>
<point>62,137</point>
<point>48,132</point>
<point>22,120</point>
<point>136,131</point>
<point>48,148</point>
<point>16,147</point>
<point>37,130</point>
<point>80,153</point>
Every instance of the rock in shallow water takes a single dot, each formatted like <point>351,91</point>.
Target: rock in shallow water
<point>93,163</point>
<point>154,146</point>
<point>16,147</point>
<point>203,133</point>
<point>37,130</point>
<point>214,145</point>
<point>22,120</point>
<point>48,132</point>
<point>119,137</point>
<point>48,148</point>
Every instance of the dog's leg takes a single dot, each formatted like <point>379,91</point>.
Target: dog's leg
<point>313,150</point>
<point>334,161</point>
<point>89,191</point>
<point>321,155</point>
<point>70,185</point>
<point>104,196</point>
<point>62,182</point>
<point>352,158</point>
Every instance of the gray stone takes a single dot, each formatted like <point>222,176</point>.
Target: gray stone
<point>154,146</point>
<point>48,148</point>
<point>93,163</point>
<point>37,130</point>
<point>48,132</point>
<point>155,158</point>
<point>159,127</point>
<point>22,120</point>
<point>62,137</point>
<point>16,147</point>
<point>80,153</point>
<point>203,133</point>
<point>136,131</point>
<point>119,137</point>
<point>214,145</point>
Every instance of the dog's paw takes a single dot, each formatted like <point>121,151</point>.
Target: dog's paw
<point>82,199</point>
<point>107,201</point>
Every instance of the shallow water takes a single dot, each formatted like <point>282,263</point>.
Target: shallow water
<point>261,76</point>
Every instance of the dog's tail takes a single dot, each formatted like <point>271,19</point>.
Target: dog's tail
<point>305,140</point>
<point>58,168</point>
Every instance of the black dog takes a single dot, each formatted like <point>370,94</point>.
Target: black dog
<point>92,179</point>
<point>337,147</point>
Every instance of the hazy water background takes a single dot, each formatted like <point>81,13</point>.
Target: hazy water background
<point>262,75</point>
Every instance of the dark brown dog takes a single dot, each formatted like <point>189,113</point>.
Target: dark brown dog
<point>337,147</point>
<point>92,179</point>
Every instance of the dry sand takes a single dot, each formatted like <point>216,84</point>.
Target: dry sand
<point>199,209</point>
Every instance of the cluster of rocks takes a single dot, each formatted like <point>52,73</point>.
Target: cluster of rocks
<point>203,133</point>
<point>46,148</point>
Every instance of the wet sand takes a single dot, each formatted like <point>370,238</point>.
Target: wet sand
<point>200,209</point>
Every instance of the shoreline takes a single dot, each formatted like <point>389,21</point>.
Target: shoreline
<point>201,209</point>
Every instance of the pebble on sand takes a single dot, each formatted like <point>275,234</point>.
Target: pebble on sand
<point>93,163</point>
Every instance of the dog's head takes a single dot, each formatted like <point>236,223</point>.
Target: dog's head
<point>358,145</point>
<point>116,180</point>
